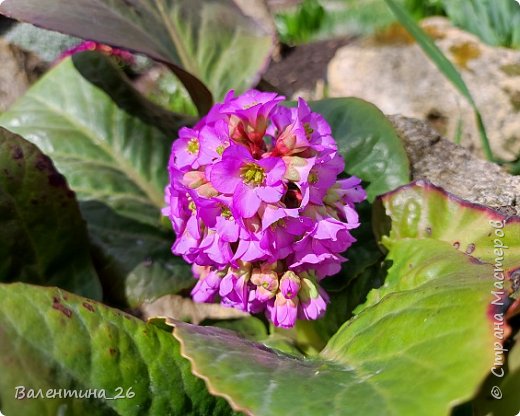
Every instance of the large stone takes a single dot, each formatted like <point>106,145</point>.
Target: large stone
<point>18,70</point>
<point>392,72</point>
<point>455,169</point>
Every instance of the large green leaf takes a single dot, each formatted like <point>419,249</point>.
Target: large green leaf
<point>433,331</point>
<point>368,141</point>
<point>433,319</point>
<point>361,273</point>
<point>423,210</point>
<point>106,152</point>
<point>44,239</point>
<point>51,339</point>
<point>509,386</point>
<point>133,259</point>
<point>115,159</point>
<point>208,41</point>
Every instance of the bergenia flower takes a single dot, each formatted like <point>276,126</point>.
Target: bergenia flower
<point>257,206</point>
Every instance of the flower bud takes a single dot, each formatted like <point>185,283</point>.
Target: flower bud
<point>266,284</point>
<point>290,284</point>
<point>283,312</point>
<point>313,299</point>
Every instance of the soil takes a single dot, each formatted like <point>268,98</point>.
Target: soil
<point>5,24</point>
<point>300,67</point>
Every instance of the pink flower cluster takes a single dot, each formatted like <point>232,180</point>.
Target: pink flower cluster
<point>257,206</point>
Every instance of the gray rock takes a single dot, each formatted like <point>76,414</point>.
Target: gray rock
<point>394,73</point>
<point>455,169</point>
<point>46,44</point>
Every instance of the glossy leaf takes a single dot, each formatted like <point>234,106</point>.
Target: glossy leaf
<point>509,386</point>
<point>349,288</point>
<point>205,42</point>
<point>134,259</point>
<point>342,305</point>
<point>62,341</point>
<point>422,210</point>
<point>250,327</point>
<point>368,141</point>
<point>106,152</point>
<point>44,239</point>
<point>435,324</point>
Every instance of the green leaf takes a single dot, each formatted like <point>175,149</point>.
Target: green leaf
<point>368,142</point>
<point>133,259</point>
<point>430,320</point>
<point>250,327</point>
<point>496,22</point>
<point>106,152</point>
<point>415,210</point>
<point>428,331</point>
<point>509,386</point>
<point>61,341</point>
<point>169,92</point>
<point>498,395</point>
<point>107,75</point>
<point>361,273</point>
<point>444,66</point>
<point>340,308</point>
<point>44,239</point>
<point>208,41</point>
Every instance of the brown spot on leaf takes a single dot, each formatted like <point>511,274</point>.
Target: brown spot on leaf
<point>62,308</point>
<point>88,306</point>
<point>17,153</point>
<point>456,244</point>
<point>112,351</point>
<point>57,180</point>
<point>470,249</point>
<point>43,163</point>
<point>429,231</point>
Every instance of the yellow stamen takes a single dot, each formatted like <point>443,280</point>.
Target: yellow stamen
<point>308,129</point>
<point>226,213</point>
<point>193,146</point>
<point>252,174</point>
<point>313,178</point>
<point>220,149</point>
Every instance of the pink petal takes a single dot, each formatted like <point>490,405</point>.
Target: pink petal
<point>270,194</point>
<point>246,202</point>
